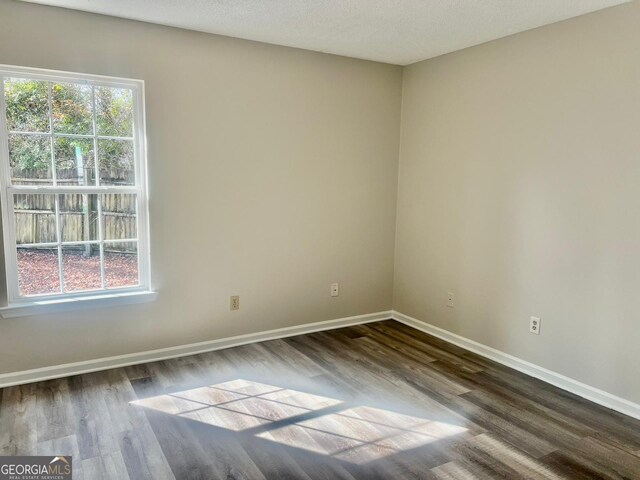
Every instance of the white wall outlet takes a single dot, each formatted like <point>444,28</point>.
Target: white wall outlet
<point>534,325</point>
<point>335,289</point>
<point>234,302</point>
<point>450,299</point>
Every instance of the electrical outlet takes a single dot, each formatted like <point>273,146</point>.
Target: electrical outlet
<point>234,302</point>
<point>534,325</point>
<point>450,299</point>
<point>335,289</point>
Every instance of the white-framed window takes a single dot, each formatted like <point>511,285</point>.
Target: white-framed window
<point>73,185</point>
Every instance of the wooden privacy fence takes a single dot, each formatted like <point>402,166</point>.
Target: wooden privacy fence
<point>36,220</point>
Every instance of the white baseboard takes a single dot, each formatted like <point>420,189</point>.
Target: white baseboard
<point>68,369</point>
<point>590,393</point>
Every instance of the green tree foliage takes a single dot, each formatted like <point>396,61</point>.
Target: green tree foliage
<point>27,105</point>
<point>114,112</point>
<point>71,108</point>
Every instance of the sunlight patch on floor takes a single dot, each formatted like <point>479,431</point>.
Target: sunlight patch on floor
<point>357,434</point>
<point>361,434</point>
<point>237,405</point>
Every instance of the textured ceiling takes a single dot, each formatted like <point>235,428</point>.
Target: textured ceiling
<point>391,31</point>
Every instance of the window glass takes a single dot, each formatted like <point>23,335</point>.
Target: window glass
<point>73,178</point>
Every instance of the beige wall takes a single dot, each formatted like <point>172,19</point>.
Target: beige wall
<point>519,190</point>
<point>273,173</point>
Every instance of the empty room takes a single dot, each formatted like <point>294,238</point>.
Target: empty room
<point>319,239</point>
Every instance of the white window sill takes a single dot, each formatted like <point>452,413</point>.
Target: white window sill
<point>67,304</point>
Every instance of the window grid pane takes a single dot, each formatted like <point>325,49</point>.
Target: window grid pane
<point>116,162</point>
<point>95,135</point>
<point>18,91</point>
<point>82,269</point>
<point>119,217</point>
<point>106,250</point>
<point>74,161</point>
<point>72,111</point>
<point>35,219</point>
<point>72,228</point>
<point>58,235</point>
<point>38,270</point>
<point>101,237</point>
<point>121,265</point>
<point>53,159</point>
<point>79,217</point>
<point>30,159</point>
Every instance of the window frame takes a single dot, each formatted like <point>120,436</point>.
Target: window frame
<point>7,191</point>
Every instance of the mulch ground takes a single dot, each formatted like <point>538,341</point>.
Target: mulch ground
<point>38,271</point>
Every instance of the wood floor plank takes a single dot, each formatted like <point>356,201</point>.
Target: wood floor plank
<point>374,401</point>
<point>610,424</point>
<point>18,430</point>
<point>105,467</point>
<point>428,344</point>
<point>55,417</point>
<point>279,352</point>
<point>409,352</point>
<point>453,471</point>
<point>481,385</point>
<point>526,419</point>
<point>66,446</point>
<point>93,426</point>
<point>523,464</point>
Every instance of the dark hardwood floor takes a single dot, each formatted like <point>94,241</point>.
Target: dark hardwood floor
<point>374,401</point>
